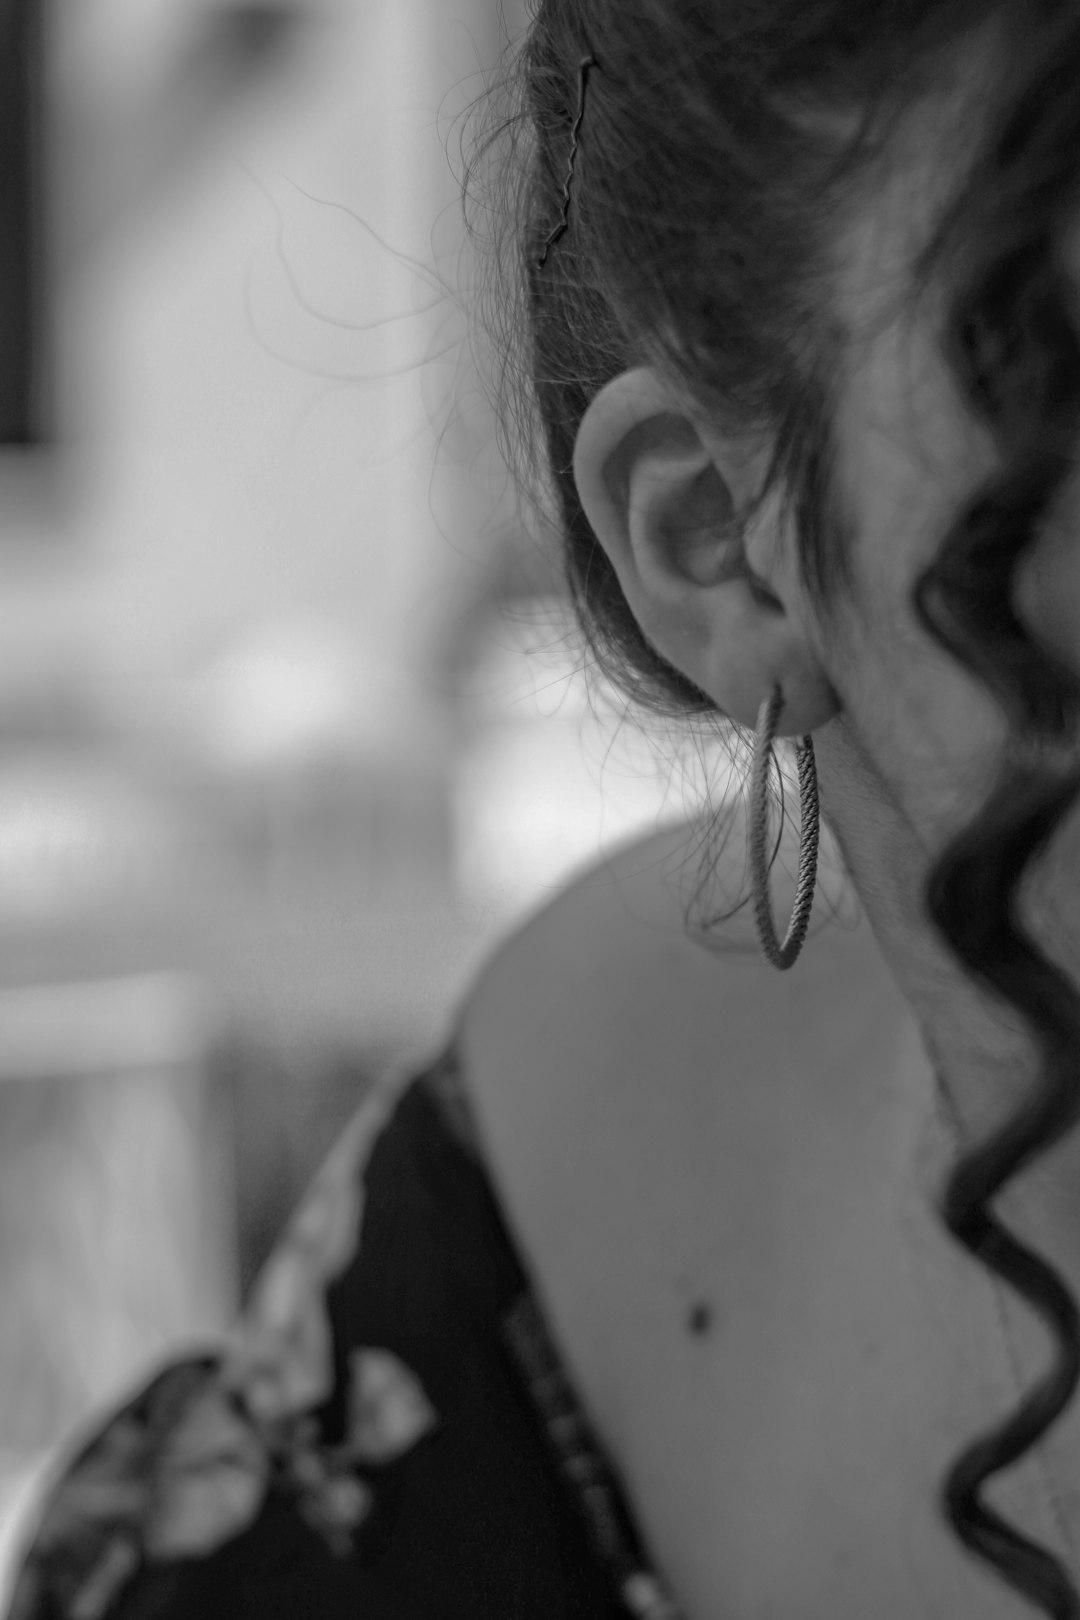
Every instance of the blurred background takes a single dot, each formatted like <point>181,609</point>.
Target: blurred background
<point>290,729</point>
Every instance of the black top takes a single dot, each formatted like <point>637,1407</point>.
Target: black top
<point>390,1435</point>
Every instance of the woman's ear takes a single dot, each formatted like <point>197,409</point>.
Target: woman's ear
<point>662,496</point>
<point>651,488</point>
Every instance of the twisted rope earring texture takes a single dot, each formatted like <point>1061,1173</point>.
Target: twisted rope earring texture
<point>782,955</point>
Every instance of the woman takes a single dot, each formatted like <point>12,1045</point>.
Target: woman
<point>680,1286</point>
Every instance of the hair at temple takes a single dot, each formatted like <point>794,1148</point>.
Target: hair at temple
<point>709,178</point>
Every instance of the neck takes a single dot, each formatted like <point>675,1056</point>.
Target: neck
<point>982,1053</point>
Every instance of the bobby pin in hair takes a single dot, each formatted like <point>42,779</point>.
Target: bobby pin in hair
<point>586,63</point>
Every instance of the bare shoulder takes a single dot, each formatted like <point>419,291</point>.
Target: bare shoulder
<point>623,945</point>
<point>635,1091</point>
<point>574,967</point>
<point>632,901</point>
<point>607,996</point>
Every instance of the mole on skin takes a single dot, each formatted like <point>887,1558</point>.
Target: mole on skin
<point>700,1318</point>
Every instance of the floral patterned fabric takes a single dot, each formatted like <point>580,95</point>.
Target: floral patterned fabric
<point>390,1435</point>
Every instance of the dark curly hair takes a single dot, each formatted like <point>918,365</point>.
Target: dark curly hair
<point>710,177</point>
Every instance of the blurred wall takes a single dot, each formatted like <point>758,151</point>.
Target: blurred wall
<point>290,733</point>
<point>243,367</point>
<point>225,873</point>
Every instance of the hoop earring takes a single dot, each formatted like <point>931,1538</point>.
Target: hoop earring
<point>782,956</point>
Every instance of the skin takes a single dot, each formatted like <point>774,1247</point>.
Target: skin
<point>906,742</point>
